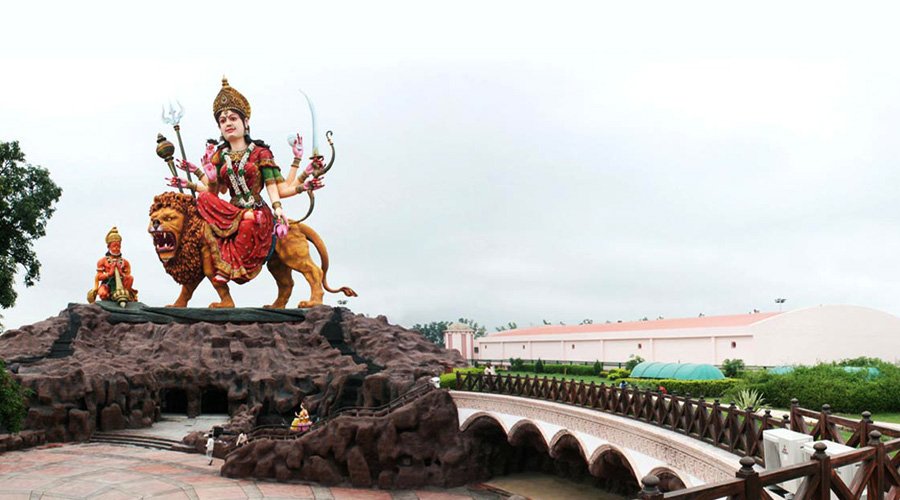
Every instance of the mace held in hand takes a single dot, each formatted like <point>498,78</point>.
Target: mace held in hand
<point>165,150</point>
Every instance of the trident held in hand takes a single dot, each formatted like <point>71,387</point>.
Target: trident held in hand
<point>173,118</point>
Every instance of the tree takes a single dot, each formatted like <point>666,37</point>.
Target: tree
<point>13,398</point>
<point>27,195</point>
<point>633,361</point>
<point>480,331</point>
<point>433,331</point>
<point>509,326</point>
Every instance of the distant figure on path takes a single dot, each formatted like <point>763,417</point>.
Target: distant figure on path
<point>210,446</point>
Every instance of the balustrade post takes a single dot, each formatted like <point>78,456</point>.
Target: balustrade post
<point>752,486</point>
<point>731,424</point>
<point>876,486</point>
<point>797,423</point>
<point>864,425</point>
<point>750,436</point>
<point>830,430</point>
<point>824,472</point>
<point>458,381</point>
<point>650,491</point>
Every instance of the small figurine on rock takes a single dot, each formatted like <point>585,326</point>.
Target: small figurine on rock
<point>301,422</point>
<point>113,280</point>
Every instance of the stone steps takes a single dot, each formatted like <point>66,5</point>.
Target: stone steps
<point>142,441</point>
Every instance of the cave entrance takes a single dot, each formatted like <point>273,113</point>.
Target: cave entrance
<point>174,401</point>
<point>214,401</point>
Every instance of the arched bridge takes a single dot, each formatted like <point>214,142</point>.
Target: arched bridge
<point>607,444</point>
<point>700,449</point>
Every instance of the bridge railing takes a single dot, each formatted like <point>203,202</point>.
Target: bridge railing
<point>875,478</point>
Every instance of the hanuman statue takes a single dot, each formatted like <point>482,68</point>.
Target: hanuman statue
<point>113,280</point>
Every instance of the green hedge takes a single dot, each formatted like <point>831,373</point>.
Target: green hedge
<point>448,380</point>
<point>829,383</point>
<point>592,370</point>
<point>696,388</point>
<point>618,373</point>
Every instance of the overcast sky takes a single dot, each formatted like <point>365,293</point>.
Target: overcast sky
<point>507,162</point>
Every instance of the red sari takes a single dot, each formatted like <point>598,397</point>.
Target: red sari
<point>240,246</point>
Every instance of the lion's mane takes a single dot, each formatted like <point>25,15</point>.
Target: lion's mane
<point>186,266</point>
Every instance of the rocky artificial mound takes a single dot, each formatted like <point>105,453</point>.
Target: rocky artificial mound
<point>109,376</point>
<point>419,444</point>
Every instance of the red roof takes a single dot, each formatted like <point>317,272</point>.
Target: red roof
<point>659,324</point>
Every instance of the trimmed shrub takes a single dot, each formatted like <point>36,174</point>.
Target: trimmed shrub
<point>539,366</point>
<point>696,388</point>
<point>618,373</point>
<point>448,380</point>
<point>516,364</point>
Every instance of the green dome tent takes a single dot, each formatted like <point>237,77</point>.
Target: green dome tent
<point>677,371</point>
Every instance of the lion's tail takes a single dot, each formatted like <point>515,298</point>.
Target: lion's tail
<point>316,240</point>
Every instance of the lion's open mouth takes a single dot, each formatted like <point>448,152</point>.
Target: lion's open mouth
<point>164,241</point>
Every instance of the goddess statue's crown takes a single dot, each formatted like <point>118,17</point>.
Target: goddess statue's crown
<point>113,235</point>
<point>229,98</point>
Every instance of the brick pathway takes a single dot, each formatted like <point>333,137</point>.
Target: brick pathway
<point>101,471</point>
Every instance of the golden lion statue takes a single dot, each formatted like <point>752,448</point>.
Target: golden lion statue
<point>177,229</point>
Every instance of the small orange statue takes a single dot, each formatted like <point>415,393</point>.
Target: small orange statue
<point>301,422</point>
<point>113,280</point>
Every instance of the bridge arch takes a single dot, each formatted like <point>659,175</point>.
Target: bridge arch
<point>525,426</point>
<point>669,480</point>
<point>483,414</point>
<point>606,457</point>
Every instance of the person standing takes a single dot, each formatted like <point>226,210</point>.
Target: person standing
<point>210,446</point>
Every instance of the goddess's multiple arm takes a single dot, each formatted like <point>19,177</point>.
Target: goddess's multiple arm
<point>281,188</point>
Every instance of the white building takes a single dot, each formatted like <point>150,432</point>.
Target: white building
<point>802,336</point>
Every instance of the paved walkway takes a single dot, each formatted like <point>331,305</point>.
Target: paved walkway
<point>103,471</point>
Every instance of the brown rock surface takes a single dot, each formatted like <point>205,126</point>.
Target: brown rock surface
<point>123,375</point>
<point>368,451</point>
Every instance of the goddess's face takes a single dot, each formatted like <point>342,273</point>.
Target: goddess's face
<point>231,125</point>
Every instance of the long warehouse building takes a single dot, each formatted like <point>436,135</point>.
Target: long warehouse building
<point>801,336</point>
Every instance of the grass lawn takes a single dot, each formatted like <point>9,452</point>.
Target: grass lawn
<point>585,378</point>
